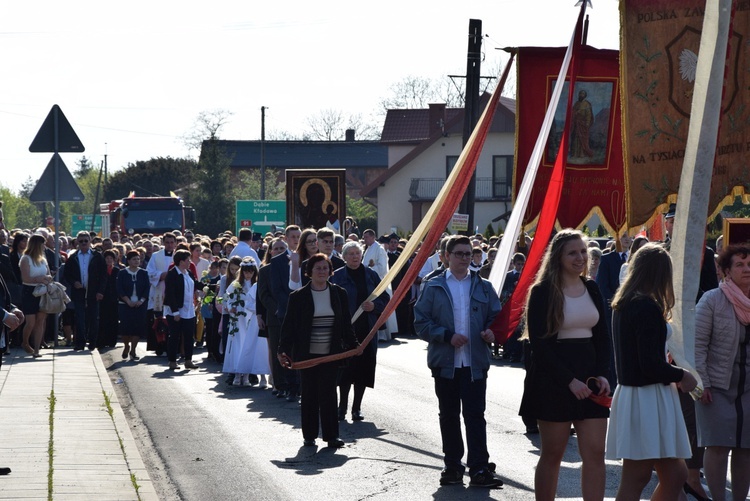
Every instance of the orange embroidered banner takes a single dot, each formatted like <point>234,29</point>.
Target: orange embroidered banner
<point>594,177</point>
<point>660,41</point>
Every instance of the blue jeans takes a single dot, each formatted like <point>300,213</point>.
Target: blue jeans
<point>87,321</point>
<point>184,329</point>
<point>453,394</point>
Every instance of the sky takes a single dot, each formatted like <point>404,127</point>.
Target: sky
<point>132,77</point>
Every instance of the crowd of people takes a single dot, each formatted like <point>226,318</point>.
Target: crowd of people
<point>593,338</point>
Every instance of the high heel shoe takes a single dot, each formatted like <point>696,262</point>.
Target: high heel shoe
<point>689,490</point>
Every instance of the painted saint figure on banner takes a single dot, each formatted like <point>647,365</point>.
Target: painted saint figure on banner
<point>590,124</point>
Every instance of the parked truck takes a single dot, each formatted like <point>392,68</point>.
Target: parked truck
<point>155,215</point>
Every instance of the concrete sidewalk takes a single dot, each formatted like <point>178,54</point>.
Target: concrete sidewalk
<point>63,432</point>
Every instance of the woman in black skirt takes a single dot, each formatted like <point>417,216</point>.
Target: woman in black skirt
<point>570,349</point>
<point>132,292</point>
<point>359,281</point>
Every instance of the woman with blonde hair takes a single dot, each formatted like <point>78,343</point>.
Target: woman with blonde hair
<point>570,348</point>
<point>647,430</point>
<point>34,272</point>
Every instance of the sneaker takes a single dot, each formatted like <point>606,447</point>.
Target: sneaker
<point>237,380</point>
<point>451,477</point>
<point>485,478</point>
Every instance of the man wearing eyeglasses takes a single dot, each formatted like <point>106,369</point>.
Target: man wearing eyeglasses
<point>453,315</point>
<point>85,269</point>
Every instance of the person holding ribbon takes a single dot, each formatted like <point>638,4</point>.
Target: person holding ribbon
<point>570,349</point>
<point>317,324</point>
<point>646,429</point>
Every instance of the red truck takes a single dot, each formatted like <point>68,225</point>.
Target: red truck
<point>155,215</point>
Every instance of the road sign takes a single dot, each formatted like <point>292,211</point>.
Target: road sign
<point>460,222</point>
<point>260,215</point>
<point>44,191</point>
<point>67,139</point>
<point>82,222</point>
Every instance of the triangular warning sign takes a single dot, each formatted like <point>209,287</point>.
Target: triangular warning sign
<point>68,191</point>
<point>67,142</point>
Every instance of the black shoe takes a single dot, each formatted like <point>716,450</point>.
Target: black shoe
<point>451,477</point>
<point>309,443</point>
<point>336,443</point>
<point>689,490</point>
<point>253,379</point>
<point>199,344</point>
<point>282,394</point>
<point>485,478</point>
<point>532,430</point>
<point>291,396</point>
<point>357,416</point>
<point>4,471</point>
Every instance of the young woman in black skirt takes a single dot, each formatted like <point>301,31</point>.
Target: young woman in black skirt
<point>570,350</point>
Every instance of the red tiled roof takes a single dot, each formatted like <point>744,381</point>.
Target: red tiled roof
<point>410,126</point>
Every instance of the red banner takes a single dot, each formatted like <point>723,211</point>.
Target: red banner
<point>594,178</point>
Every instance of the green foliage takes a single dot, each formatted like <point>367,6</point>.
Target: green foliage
<point>18,211</point>
<point>246,185</point>
<point>153,178</point>
<point>489,231</point>
<point>363,213</point>
<point>213,200</point>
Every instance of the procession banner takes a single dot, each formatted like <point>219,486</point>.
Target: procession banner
<point>660,42</point>
<point>511,314</point>
<point>594,176</point>
<point>430,229</point>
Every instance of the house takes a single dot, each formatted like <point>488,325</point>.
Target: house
<point>423,146</point>
<point>364,161</point>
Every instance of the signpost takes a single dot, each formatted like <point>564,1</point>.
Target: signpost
<point>460,222</point>
<point>82,222</point>
<point>56,185</point>
<point>260,215</point>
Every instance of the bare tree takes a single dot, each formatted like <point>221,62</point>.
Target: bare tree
<point>413,92</point>
<point>207,125</point>
<point>326,125</point>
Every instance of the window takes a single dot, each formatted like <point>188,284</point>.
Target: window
<point>450,162</point>
<point>502,176</point>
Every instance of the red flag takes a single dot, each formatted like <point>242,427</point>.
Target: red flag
<point>509,317</point>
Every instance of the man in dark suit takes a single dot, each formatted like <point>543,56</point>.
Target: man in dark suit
<point>266,303</point>
<point>12,318</point>
<point>405,325</point>
<point>280,291</point>
<point>85,269</point>
<point>608,280</point>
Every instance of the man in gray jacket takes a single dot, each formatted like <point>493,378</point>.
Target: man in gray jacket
<point>453,315</point>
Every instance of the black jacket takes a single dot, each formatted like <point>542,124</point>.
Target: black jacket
<point>543,348</point>
<point>640,334</point>
<point>295,331</point>
<point>97,274</point>
<point>174,289</point>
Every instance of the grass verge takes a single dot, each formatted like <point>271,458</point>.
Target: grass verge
<point>110,411</point>
<point>51,445</point>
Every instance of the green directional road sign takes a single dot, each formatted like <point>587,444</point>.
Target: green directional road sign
<point>82,222</point>
<point>260,215</point>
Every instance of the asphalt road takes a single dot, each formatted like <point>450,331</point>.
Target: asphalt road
<point>202,439</point>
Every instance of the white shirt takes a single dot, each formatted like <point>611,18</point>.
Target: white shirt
<point>243,249</point>
<point>84,258</point>
<point>460,298</point>
<point>187,311</point>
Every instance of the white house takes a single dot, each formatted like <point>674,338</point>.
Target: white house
<point>423,145</point>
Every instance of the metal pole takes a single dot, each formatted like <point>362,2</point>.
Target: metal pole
<point>471,109</point>
<point>262,152</point>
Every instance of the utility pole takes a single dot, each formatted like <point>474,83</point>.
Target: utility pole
<point>471,110</point>
<point>262,152</point>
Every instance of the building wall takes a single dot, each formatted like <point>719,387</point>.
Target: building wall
<point>394,208</point>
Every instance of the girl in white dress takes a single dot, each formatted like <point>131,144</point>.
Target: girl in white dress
<point>246,353</point>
